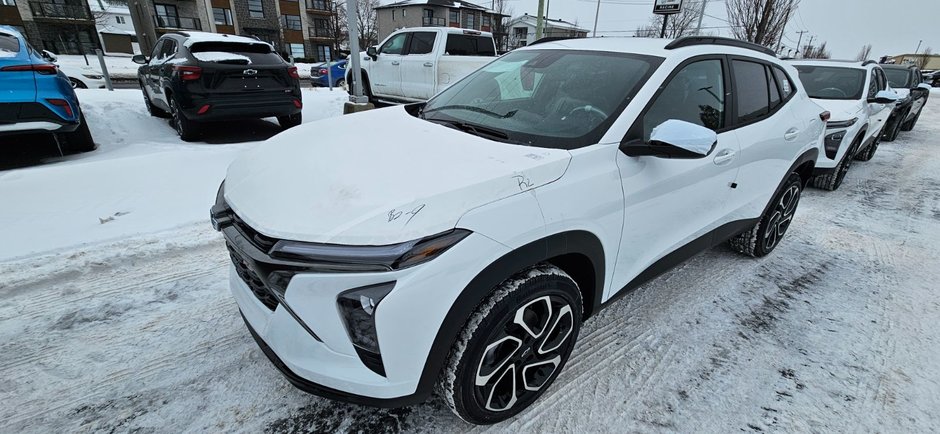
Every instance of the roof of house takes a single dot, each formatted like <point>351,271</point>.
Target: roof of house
<point>549,22</point>
<point>442,3</point>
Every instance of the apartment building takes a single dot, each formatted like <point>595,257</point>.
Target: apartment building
<point>434,13</point>
<point>303,29</point>
<point>522,30</point>
<point>60,26</point>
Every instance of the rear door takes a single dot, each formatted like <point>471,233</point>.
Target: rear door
<point>385,74</point>
<point>418,66</point>
<point>238,69</point>
<point>17,83</point>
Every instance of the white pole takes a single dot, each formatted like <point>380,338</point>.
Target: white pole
<point>352,12</point>
<point>698,28</point>
<point>597,13</point>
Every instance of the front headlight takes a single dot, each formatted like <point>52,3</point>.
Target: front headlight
<point>841,124</point>
<point>334,257</point>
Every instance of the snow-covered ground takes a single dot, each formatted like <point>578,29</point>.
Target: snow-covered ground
<point>123,68</point>
<point>836,331</point>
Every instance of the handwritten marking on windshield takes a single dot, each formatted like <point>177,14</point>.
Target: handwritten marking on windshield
<point>523,182</point>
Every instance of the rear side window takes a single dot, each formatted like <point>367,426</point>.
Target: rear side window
<point>235,53</point>
<point>783,80</point>
<point>751,90</point>
<point>774,91</point>
<point>422,42</point>
<point>8,45</point>
<point>470,45</point>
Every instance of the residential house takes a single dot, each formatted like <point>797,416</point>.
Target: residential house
<point>931,62</point>
<point>434,13</point>
<point>522,30</point>
<point>115,27</point>
<point>60,26</point>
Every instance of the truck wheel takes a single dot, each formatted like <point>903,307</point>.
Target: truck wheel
<point>77,141</point>
<point>187,129</point>
<point>766,235</point>
<point>289,121</point>
<point>513,345</point>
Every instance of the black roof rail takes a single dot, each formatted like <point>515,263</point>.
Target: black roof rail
<point>550,39</point>
<point>868,62</point>
<point>690,41</point>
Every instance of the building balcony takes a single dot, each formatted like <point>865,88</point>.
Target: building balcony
<point>320,6</point>
<point>176,22</point>
<point>59,11</point>
<point>433,22</point>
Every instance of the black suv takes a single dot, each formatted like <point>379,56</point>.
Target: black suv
<point>907,81</point>
<point>194,76</point>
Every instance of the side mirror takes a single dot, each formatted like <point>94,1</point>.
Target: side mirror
<point>674,139</point>
<point>140,59</point>
<point>924,86</point>
<point>48,55</point>
<point>372,52</point>
<point>884,97</point>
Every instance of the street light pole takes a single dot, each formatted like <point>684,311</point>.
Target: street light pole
<point>597,13</point>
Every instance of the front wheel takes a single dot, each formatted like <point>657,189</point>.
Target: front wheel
<point>77,84</point>
<point>869,152</point>
<point>764,238</point>
<point>513,346</point>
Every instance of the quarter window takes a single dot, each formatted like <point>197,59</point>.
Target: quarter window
<point>394,45</point>
<point>783,80</point>
<point>751,90</point>
<point>774,91</point>
<point>695,94</point>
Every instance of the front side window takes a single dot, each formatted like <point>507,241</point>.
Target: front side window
<point>544,98</point>
<point>395,45</point>
<point>898,78</point>
<point>422,42</point>
<point>751,90</point>
<point>695,94</point>
<point>255,9</point>
<point>832,82</point>
<point>169,49</point>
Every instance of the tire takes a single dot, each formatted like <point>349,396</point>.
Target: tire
<point>893,128</point>
<point>499,344</point>
<point>289,121</point>
<point>366,86</point>
<point>869,152</point>
<point>152,109</point>
<point>77,84</point>
<point>77,141</point>
<point>341,83</point>
<point>833,181</point>
<point>188,130</point>
<point>766,235</point>
<point>909,125</point>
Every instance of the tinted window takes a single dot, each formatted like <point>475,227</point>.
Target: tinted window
<point>9,44</point>
<point>831,82</point>
<point>238,53</point>
<point>751,90</point>
<point>783,81</point>
<point>695,94</point>
<point>873,85</point>
<point>898,78</point>
<point>169,49</point>
<point>882,81</point>
<point>470,45</point>
<point>774,91</point>
<point>395,45</point>
<point>421,42</point>
<point>157,49</point>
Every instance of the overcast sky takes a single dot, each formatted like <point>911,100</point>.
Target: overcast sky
<point>892,27</point>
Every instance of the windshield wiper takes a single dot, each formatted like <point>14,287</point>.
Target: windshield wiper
<point>478,130</point>
<point>476,109</point>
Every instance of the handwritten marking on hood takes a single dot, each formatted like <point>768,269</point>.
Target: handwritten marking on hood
<point>523,181</point>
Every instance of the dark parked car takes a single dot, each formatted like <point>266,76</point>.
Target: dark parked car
<point>908,82</point>
<point>194,76</point>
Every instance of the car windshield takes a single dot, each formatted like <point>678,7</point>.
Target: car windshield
<point>898,78</point>
<point>546,98</point>
<point>829,82</point>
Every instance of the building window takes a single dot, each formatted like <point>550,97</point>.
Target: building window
<point>320,29</point>
<point>255,9</point>
<point>485,21</point>
<point>222,16</point>
<point>120,20</point>
<point>323,53</point>
<point>469,20</point>
<point>8,2</point>
<point>322,5</point>
<point>291,22</point>
<point>297,50</point>
<point>393,14</point>
<point>455,18</point>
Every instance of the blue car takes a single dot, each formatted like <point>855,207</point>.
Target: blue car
<point>319,77</point>
<point>35,97</point>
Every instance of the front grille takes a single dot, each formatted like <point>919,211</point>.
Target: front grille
<point>252,279</point>
<point>262,242</point>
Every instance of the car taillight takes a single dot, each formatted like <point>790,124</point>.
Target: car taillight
<point>62,104</point>
<point>322,72</point>
<point>292,71</point>
<point>825,116</point>
<point>298,103</point>
<point>188,73</point>
<point>42,68</point>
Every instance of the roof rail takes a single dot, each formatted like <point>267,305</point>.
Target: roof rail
<point>868,62</point>
<point>550,39</point>
<point>690,41</point>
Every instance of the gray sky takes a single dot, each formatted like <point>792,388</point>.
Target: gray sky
<point>892,27</point>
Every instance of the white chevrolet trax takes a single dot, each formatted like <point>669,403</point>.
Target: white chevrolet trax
<point>458,245</point>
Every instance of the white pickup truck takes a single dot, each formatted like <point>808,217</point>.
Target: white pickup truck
<point>414,64</point>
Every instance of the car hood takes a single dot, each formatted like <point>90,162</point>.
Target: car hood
<point>378,177</point>
<point>841,110</point>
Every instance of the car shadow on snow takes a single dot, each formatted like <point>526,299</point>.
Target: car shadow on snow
<point>240,131</point>
<point>18,151</point>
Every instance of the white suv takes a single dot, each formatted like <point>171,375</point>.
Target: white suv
<point>860,101</point>
<point>461,243</point>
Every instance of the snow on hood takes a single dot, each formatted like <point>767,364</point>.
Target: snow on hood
<point>219,56</point>
<point>841,110</point>
<point>379,177</point>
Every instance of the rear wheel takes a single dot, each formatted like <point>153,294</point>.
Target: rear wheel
<point>764,238</point>
<point>77,141</point>
<point>289,121</point>
<point>188,130</point>
<point>513,346</point>
<point>909,125</point>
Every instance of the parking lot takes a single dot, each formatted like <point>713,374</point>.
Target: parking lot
<point>116,316</point>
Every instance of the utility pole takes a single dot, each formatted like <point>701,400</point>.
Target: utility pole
<point>540,21</point>
<point>701,14</point>
<point>800,41</point>
<point>665,20</point>
<point>918,46</point>
<point>597,13</point>
<point>810,44</point>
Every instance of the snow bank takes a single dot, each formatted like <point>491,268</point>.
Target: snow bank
<point>141,180</point>
<point>219,56</point>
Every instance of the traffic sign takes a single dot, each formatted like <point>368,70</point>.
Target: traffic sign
<point>667,7</point>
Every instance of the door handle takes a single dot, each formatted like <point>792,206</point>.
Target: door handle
<point>724,157</point>
<point>395,62</point>
<point>791,134</point>
<point>428,64</point>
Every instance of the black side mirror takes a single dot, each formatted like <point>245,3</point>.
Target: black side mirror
<point>372,52</point>
<point>140,59</point>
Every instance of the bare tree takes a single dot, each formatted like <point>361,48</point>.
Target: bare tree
<point>924,58</point>
<point>760,21</point>
<point>365,17</point>
<point>863,53</point>
<point>816,52</point>
<point>679,25</point>
<point>501,24</point>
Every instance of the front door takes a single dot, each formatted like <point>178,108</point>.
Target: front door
<point>671,202</point>
<point>385,75</point>
<point>417,66</point>
<point>878,113</point>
